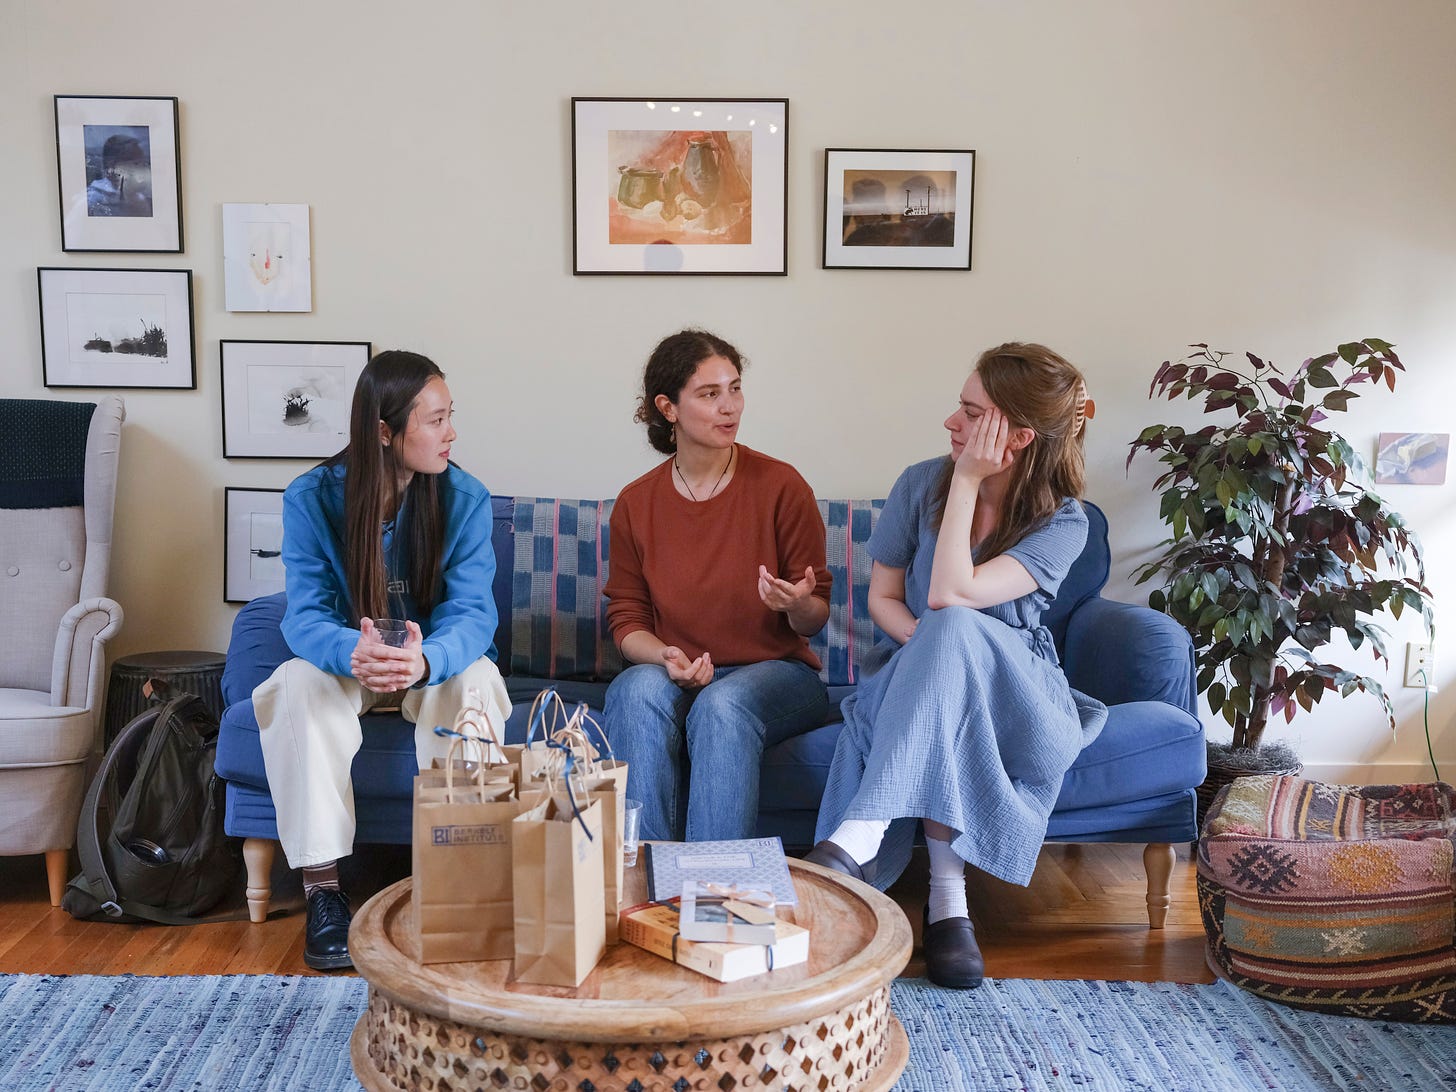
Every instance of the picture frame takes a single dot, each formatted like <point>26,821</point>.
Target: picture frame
<point>117,328</point>
<point>265,258</point>
<point>679,186</point>
<point>288,399</point>
<point>898,208</point>
<point>119,173</point>
<point>252,543</point>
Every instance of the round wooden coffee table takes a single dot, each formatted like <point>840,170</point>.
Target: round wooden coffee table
<point>639,1022</point>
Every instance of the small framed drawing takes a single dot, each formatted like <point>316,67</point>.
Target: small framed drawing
<point>252,543</point>
<point>897,209</point>
<point>680,185</point>
<point>265,258</point>
<point>117,328</point>
<point>120,173</point>
<point>288,399</point>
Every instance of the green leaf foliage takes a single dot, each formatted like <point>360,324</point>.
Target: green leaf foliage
<point>1275,546</point>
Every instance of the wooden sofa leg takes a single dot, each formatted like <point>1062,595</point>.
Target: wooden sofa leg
<point>1158,860</point>
<point>258,856</point>
<point>57,860</point>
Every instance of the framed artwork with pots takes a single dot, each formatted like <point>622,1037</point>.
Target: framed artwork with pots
<point>265,258</point>
<point>288,399</point>
<point>117,328</point>
<point>252,543</point>
<point>120,173</point>
<point>680,186</point>
<point>886,209</point>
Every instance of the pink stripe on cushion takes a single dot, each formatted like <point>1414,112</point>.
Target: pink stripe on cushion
<point>849,597</point>
<point>555,565</point>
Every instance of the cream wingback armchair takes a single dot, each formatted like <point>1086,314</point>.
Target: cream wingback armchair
<point>57,491</point>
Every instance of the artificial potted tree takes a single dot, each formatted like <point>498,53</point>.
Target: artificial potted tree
<point>1276,543</point>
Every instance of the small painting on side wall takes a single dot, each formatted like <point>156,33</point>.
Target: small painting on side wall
<point>120,328</point>
<point>252,543</point>
<point>265,258</point>
<point>897,209</point>
<point>288,399</point>
<point>1412,458</point>
<point>120,173</point>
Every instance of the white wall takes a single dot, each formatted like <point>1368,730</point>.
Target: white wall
<point>1266,177</point>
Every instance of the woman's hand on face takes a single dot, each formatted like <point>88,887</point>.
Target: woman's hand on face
<point>987,451</point>
<point>780,595</point>
<point>383,668</point>
<point>688,674</point>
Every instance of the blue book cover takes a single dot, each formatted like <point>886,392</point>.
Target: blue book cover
<point>745,863</point>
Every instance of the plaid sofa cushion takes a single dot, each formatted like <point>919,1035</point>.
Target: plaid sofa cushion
<point>558,615</point>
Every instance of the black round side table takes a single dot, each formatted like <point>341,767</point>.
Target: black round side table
<point>193,672</point>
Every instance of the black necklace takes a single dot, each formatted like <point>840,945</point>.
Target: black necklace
<point>731,452</point>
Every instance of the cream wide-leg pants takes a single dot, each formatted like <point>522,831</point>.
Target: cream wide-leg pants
<point>308,724</point>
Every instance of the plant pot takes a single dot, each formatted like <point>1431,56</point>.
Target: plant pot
<point>1221,774</point>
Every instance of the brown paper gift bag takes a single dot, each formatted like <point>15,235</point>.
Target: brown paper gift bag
<point>462,894</point>
<point>560,930</point>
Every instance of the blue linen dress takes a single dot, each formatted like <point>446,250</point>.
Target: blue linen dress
<point>971,722</point>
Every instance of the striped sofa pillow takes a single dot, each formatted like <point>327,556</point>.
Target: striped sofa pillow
<point>558,615</point>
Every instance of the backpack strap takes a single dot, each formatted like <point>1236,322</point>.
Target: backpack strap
<point>88,831</point>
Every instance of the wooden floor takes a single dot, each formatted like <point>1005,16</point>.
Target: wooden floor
<point>1083,916</point>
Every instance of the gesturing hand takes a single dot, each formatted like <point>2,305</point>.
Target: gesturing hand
<point>987,450</point>
<point>779,594</point>
<point>688,674</point>
<point>383,668</point>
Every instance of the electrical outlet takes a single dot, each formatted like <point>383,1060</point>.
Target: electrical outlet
<point>1420,666</point>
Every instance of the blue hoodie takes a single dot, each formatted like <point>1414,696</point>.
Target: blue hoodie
<point>460,629</point>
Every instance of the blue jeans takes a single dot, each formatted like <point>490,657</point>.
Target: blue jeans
<point>726,725</point>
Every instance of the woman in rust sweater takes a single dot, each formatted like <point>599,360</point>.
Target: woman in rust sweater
<point>717,582</point>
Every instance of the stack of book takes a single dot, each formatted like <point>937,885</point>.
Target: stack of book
<point>714,908</point>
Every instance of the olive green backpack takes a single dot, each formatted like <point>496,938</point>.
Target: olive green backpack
<point>165,857</point>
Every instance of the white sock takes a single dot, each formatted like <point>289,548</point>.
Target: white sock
<point>860,838</point>
<point>947,882</point>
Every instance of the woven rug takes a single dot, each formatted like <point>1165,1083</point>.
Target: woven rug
<point>257,1032</point>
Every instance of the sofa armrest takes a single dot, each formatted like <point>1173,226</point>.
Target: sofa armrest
<point>1121,652</point>
<point>79,662</point>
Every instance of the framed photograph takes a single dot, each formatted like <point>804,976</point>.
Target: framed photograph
<point>680,185</point>
<point>117,328</point>
<point>1412,458</point>
<point>252,543</point>
<point>265,258</point>
<point>897,209</point>
<point>288,399</point>
<point>120,173</point>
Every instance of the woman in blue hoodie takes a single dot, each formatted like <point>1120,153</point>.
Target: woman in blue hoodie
<point>389,527</point>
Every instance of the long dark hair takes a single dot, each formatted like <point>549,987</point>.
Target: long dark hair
<point>668,370</point>
<point>1037,389</point>
<point>386,391</point>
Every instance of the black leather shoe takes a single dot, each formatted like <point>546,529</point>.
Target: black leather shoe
<point>829,855</point>
<point>952,956</point>
<point>326,938</point>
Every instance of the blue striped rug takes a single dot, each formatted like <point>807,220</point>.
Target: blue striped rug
<point>256,1032</point>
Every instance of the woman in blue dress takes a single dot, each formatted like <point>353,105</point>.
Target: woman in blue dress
<point>967,722</point>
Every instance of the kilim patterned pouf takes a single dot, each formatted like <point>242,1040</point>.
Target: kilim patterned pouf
<point>1333,897</point>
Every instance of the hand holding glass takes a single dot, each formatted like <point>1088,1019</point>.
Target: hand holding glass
<point>392,631</point>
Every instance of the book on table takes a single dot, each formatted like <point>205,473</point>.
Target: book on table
<point>733,915</point>
<point>654,927</point>
<point>747,863</point>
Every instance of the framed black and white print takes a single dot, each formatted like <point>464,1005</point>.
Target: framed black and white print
<point>252,543</point>
<point>887,209</point>
<point>117,328</point>
<point>288,399</point>
<point>120,174</point>
<point>680,186</point>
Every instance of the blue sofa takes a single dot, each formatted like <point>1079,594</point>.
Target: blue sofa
<point>1135,783</point>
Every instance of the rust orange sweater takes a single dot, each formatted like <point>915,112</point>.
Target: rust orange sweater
<point>687,571</point>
